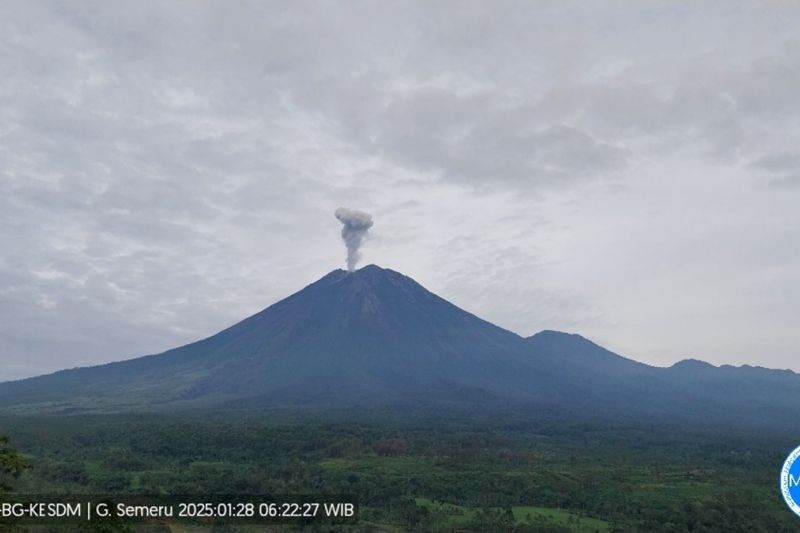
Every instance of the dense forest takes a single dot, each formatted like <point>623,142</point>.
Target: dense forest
<point>429,475</point>
<point>11,465</point>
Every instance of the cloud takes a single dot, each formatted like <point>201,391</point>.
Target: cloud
<point>475,140</point>
<point>154,152</point>
<point>782,169</point>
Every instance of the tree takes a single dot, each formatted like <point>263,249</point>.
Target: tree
<point>12,465</point>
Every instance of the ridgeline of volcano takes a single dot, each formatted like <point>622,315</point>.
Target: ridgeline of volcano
<point>374,338</point>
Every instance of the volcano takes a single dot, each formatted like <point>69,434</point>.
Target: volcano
<point>375,337</point>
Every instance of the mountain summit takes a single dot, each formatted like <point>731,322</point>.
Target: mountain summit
<point>371,335</point>
<point>376,337</point>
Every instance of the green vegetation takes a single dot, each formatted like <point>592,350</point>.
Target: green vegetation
<point>431,475</point>
<point>12,465</point>
<point>451,516</point>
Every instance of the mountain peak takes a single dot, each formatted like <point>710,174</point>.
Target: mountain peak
<point>552,334</point>
<point>367,276</point>
<point>369,271</point>
<point>374,271</point>
<point>372,267</point>
<point>370,279</point>
<point>571,341</point>
<point>693,365</point>
<point>574,348</point>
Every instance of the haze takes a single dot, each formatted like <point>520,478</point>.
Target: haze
<point>628,170</point>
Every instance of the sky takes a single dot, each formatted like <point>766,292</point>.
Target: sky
<point>626,170</point>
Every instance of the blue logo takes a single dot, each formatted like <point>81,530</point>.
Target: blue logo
<point>790,481</point>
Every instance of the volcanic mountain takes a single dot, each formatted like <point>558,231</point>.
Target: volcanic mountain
<point>376,337</point>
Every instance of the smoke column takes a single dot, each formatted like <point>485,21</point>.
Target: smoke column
<point>354,229</point>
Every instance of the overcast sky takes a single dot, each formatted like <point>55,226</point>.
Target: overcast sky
<point>626,170</point>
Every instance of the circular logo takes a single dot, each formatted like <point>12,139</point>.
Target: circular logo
<point>790,481</point>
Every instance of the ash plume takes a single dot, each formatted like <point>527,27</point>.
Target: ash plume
<point>354,229</point>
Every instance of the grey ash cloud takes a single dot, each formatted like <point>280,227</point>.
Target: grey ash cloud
<point>355,225</point>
